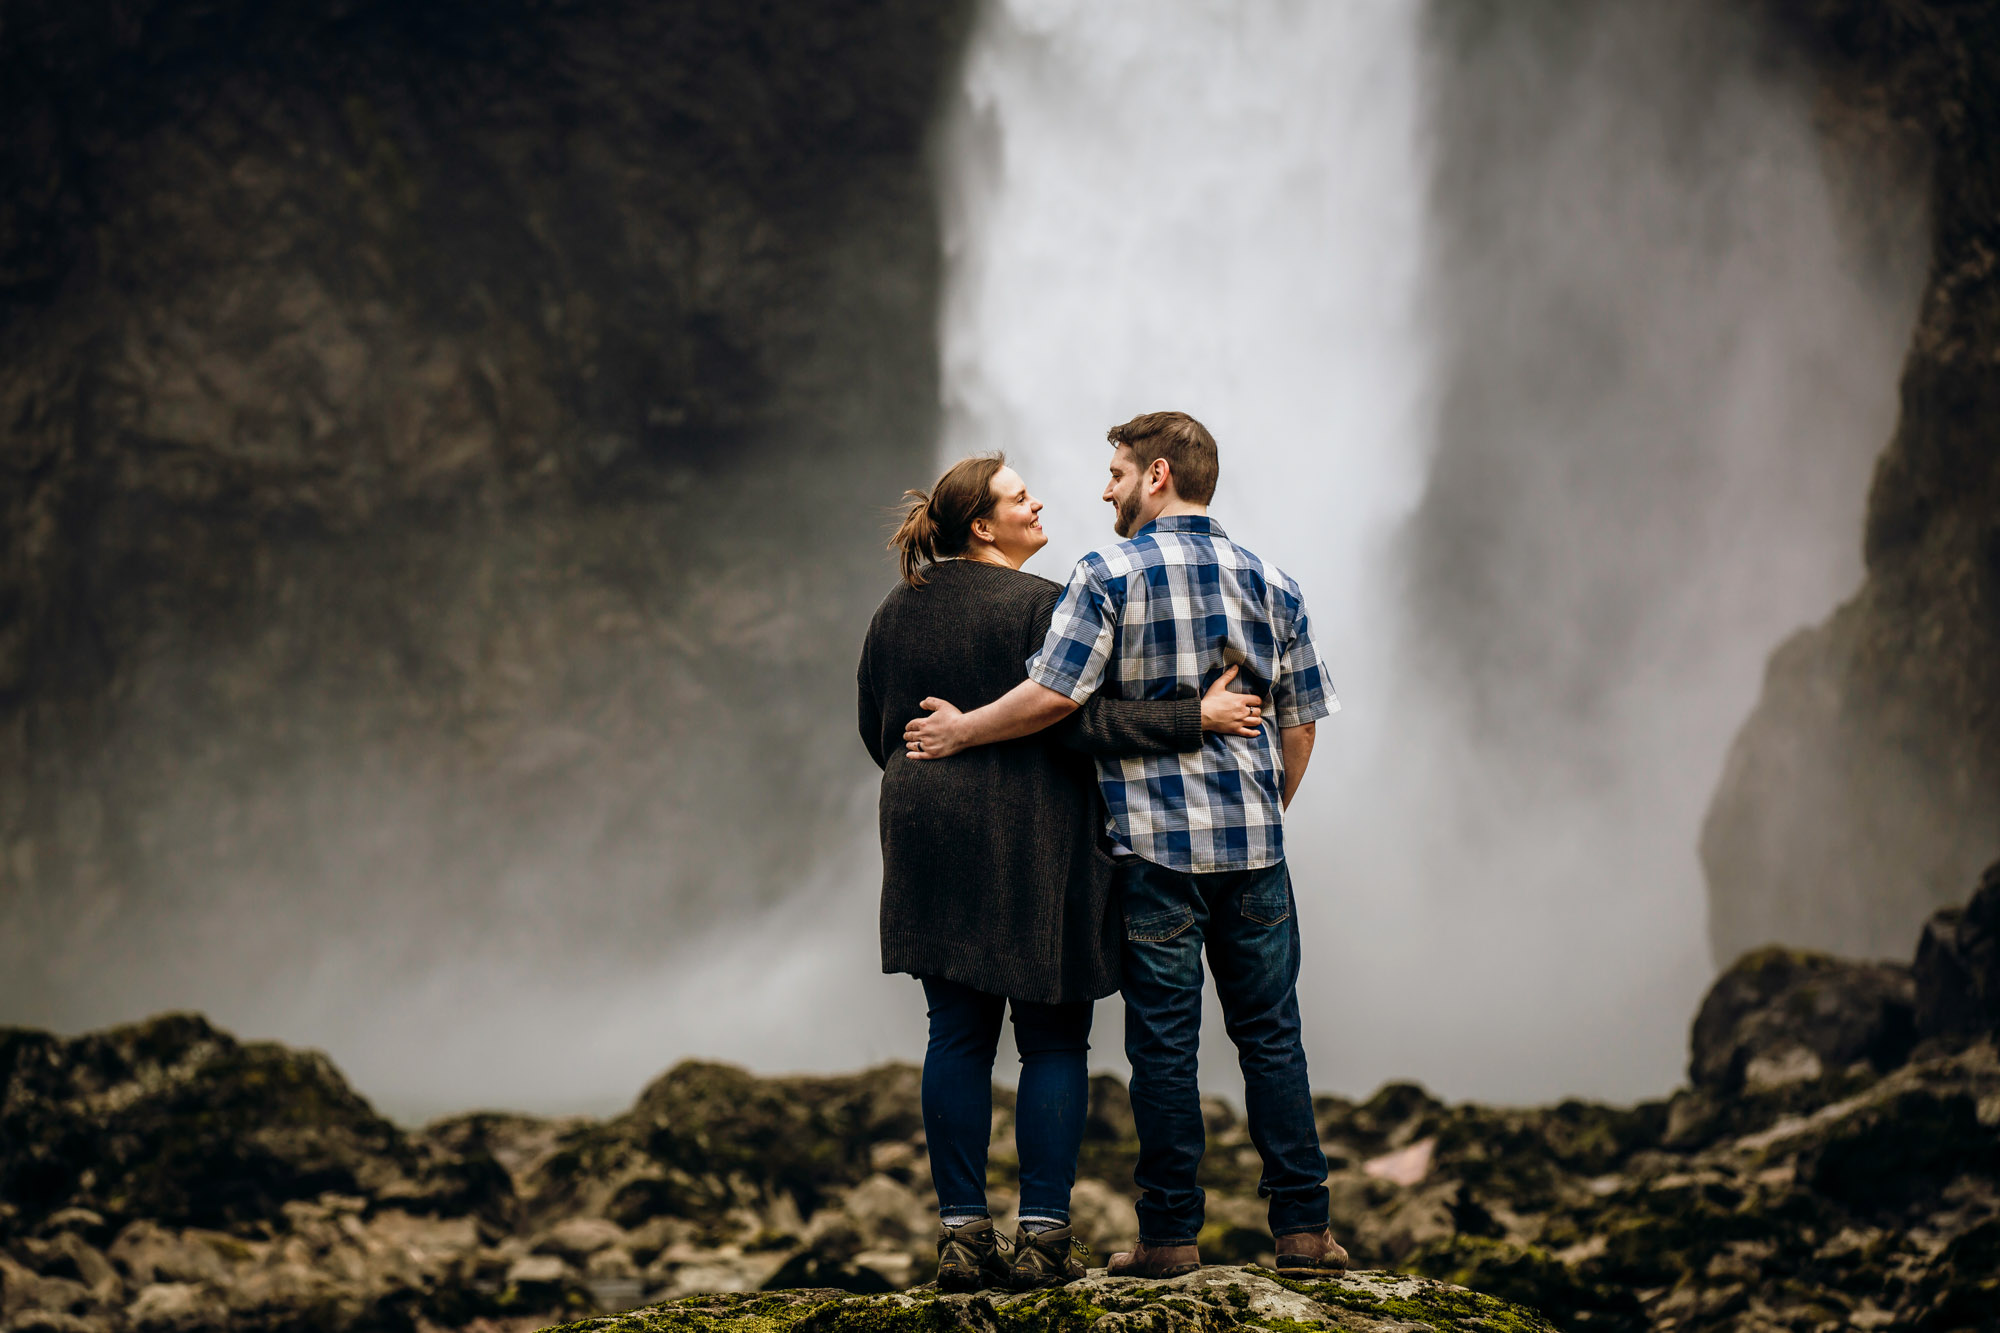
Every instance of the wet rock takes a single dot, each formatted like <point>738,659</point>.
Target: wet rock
<point>887,1210</point>
<point>703,1126</point>
<point>1786,1016</point>
<point>81,1221</point>
<point>67,1255</point>
<point>23,1290</point>
<point>543,1270</point>
<point>175,1121</point>
<point>149,1253</point>
<point>175,1307</point>
<point>1958,967</point>
<point>685,1271</point>
<point>575,1239</point>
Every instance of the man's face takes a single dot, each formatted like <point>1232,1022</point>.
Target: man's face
<point>1125,492</point>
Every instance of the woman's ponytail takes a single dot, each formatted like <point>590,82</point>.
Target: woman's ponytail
<point>915,542</point>
<point>938,526</point>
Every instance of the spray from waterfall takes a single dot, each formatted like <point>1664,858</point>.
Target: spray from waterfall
<point>1537,353</point>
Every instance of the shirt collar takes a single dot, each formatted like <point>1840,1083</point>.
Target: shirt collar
<point>1183,523</point>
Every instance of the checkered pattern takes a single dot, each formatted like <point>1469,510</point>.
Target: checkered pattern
<point>1150,618</point>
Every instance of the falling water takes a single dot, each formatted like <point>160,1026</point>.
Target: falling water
<point>1245,211</point>
<point>1216,208</point>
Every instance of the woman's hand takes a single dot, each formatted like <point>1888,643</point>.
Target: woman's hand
<point>1226,713</point>
<point>938,736</point>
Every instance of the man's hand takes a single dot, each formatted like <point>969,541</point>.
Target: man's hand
<point>1230,714</point>
<point>1022,711</point>
<point>938,736</point>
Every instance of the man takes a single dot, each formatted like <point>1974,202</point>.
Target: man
<point>1200,836</point>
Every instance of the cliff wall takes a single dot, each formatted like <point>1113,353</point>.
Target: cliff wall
<point>1864,789</point>
<point>437,444</point>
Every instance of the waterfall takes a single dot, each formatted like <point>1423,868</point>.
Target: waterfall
<point>1538,320</point>
<point>1216,208</point>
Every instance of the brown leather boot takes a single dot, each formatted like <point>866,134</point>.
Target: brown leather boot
<point>1311,1252</point>
<point>1045,1259</point>
<point>1144,1260</point>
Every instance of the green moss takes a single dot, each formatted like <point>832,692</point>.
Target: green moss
<point>1446,1309</point>
<point>705,1314</point>
<point>1060,1311</point>
<point>1530,1276</point>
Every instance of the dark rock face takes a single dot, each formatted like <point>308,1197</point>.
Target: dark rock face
<point>1780,1016</point>
<point>180,1124</point>
<point>1864,790</point>
<point>1958,967</point>
<point>418,430</point>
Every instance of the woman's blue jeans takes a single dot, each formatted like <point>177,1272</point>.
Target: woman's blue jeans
<point>1054,1041</point>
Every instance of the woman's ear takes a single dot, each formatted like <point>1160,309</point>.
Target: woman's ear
<point>982,529</point>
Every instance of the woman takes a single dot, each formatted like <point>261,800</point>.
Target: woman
<point>995,887</point>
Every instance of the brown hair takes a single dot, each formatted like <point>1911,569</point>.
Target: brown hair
<point>939,524</point>
<point>1184,442</point>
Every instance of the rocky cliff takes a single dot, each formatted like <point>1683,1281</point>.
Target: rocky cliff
<point>436,446</point>
<point>1834,1162</point>
<point>1865,788</point>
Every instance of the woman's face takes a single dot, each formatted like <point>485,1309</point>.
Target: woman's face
<point>1014,528</point>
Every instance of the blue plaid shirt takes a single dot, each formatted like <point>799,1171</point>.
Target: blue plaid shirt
<point>1152,618</point>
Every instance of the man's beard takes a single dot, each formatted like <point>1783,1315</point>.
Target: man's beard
<point>1127,517</point>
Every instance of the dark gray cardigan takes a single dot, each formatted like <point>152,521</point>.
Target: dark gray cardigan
<point>993,872</point>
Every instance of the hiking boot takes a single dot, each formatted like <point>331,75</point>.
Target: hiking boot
<point>1311,1252</point>
<point>1045,1259</point>
<point>971,1256</point>
<point>1144,1260</point>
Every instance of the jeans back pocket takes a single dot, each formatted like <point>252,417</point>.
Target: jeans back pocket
<point>1152,927</point>
<point>1267,905</point>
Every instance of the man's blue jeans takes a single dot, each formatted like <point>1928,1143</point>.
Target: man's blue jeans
<point>1054,1041</point>
<point>1246,920</point>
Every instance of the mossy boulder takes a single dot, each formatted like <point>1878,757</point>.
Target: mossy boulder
<point>177,1122</point>
<point>1782,1016</point>
<point>1958,967</point>
<point>1213,1300</point>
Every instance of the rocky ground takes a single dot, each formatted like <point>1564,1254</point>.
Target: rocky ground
<point>1214,1299</point>
<point>1834,1163</point>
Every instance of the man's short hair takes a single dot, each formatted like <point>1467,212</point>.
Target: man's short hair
<point>1184,442</point>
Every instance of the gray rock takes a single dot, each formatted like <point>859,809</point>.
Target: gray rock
<point>172,1307</point>
<point>1958,966</point>
<point>575,1239</point>
<point>1782,1016</point>
<point>539,1270</point>
<point>56,1321</point>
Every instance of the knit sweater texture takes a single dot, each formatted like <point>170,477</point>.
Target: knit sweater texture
<point>994,873</point>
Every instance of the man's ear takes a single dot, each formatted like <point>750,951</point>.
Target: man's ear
<point>1160,476</point>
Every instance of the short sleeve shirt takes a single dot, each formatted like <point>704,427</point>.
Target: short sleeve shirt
<point>1160,616</point>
